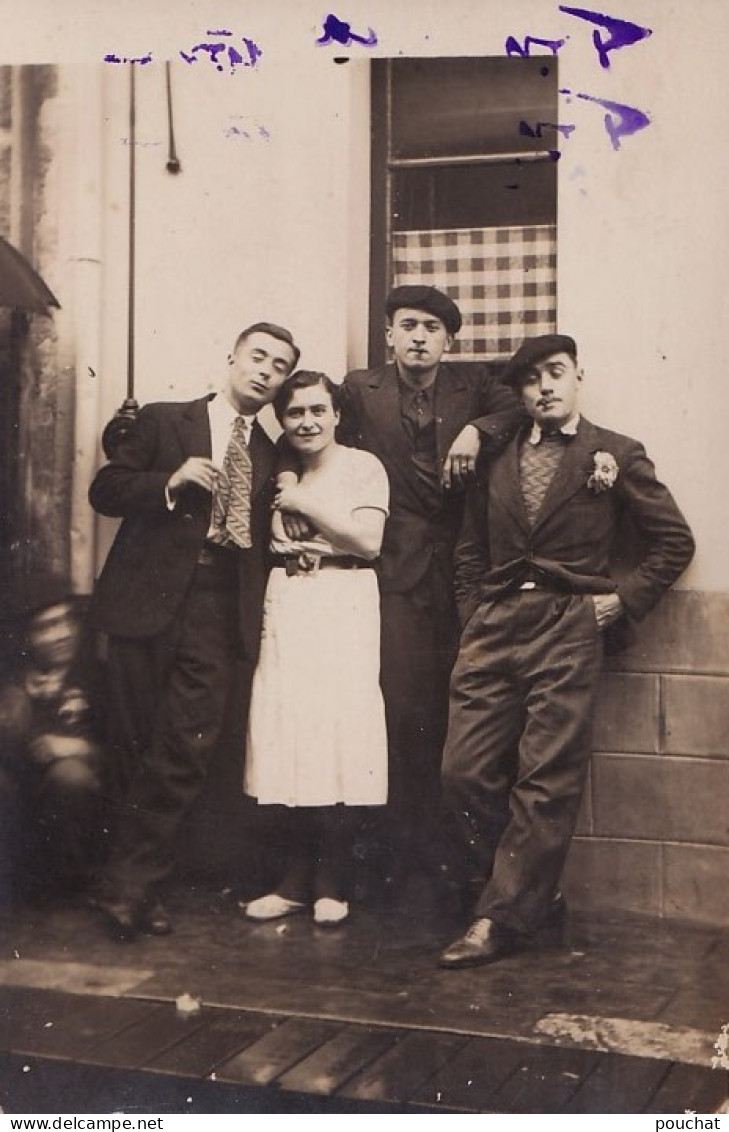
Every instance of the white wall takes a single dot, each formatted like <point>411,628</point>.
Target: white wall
<point>252,227</point>
<point>273,226</point>
<point>279,229</point>
<point>643,264</point>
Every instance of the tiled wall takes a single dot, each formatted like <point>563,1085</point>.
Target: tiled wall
<point>653,835</point>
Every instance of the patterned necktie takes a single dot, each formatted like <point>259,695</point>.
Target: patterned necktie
<point>232,502</point>
<point>537,465</point>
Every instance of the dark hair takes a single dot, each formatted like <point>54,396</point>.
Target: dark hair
<point>304,379</point>
<point>279,332</point>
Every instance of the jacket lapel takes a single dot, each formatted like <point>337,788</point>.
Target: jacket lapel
<point>262,451</point>
<point>383,402</point>
<point>194,429</point>
<point>572,473</point>
<point>506,482</point>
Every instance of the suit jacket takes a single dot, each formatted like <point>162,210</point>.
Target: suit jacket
<point>574,543</point>
<point>423,525</point>
<point>155,552</point>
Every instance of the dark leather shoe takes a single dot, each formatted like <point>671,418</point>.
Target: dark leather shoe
<point>484,942</point>
<point>155,920</point>
<point>125,919</point>
<point>556,913</point>
<point>122,917</point>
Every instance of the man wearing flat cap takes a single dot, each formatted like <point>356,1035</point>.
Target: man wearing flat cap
<point>426,421</point>
<point>537,593</point>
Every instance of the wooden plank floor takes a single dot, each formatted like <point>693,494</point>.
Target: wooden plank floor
<point>619,1016</point>
<point>356,1068</point>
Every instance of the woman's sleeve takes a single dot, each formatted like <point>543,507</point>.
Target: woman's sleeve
<point>369,484</point>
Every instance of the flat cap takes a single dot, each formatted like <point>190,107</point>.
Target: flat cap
<point>533,350</point>
<point>423,298</point>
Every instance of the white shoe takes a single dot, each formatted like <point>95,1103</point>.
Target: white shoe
<point>330,911</point>
<point>272,907</point>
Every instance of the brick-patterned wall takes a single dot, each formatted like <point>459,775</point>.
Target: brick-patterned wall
<point>653,834</point>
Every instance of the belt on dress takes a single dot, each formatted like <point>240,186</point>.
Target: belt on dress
<point>307,563</point>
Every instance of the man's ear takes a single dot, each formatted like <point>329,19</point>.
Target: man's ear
<point>388,334</point>
<point>448,343</point>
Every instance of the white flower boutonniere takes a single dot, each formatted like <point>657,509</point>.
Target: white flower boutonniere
<point>605,473</point>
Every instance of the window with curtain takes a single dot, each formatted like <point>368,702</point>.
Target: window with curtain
<point>464,196</point>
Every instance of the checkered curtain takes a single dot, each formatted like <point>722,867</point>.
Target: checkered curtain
<point>503,279</point>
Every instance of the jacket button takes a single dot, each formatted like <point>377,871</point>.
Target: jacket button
<point>187,516</point>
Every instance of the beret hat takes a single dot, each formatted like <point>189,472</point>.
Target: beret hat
<point>424,298</point>
<point>532,350</point>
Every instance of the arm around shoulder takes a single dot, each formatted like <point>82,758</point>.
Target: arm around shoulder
<point>501,413</point>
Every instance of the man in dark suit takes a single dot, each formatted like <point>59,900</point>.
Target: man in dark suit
<point>426,421</point>
<point>180,597</point>
<point>537,593</point>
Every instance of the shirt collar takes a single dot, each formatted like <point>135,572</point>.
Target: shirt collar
<point>569,428</point>
<point>409,392</point>
<point>226,415</point>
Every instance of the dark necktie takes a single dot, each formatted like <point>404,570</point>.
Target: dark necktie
<point>418,411</point>
<point>232,500</point>
<point>537,465</point>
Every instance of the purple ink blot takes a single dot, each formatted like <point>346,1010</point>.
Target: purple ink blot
<point>337,31</point>
<point>513,47</point>
<point>621,121</point>
<point>623,33</point>
<point>254,51</point>
<point>234,56</point>
<point>143,59</point>
<point>538,131</point>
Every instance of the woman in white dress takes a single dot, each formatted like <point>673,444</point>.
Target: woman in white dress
<point>316,735</point>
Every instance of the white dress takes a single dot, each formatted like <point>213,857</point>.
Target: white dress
<point>316,728</point>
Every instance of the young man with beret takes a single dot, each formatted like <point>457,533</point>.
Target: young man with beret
<point>537,594</point>
<point>426,421</point>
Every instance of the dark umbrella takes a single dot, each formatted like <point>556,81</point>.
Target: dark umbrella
<point>20,284</point>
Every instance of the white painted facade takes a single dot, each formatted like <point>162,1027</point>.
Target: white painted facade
<point>276,224</point>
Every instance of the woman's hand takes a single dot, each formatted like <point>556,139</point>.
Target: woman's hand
<point>290,497</point>
<point>296,526</point>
